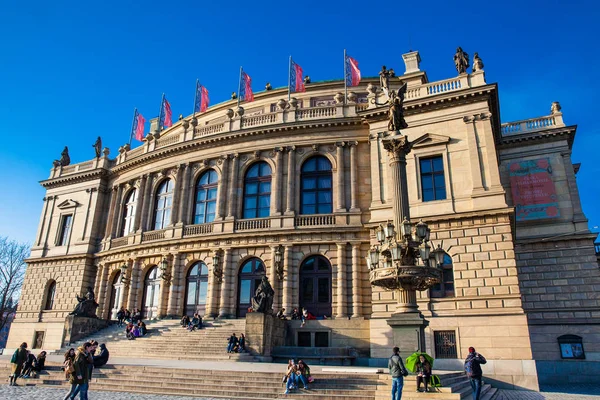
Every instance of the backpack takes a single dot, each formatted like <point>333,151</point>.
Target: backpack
<point>435,381</point>
<point>469,368</point>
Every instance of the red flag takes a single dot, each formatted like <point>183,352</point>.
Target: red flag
<point>246,89</point>
<point>139,126</point>
<point>296,78</point>
<point>352,72</point>
<point>168,121</point>
<point>205,100</point>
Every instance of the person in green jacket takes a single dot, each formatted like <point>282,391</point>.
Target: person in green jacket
<point>79,378</point>
<point>18,359</point>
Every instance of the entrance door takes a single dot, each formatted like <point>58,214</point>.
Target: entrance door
<point>197,288</point>
<point>151,293</point>
<point>116,296</point>
<point>315,286</point>
<point>250,275</point>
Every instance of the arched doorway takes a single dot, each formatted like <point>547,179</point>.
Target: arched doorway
<point>151,293</point>
<point>197,288</point>
<point>116,295</point>
<point>250,275</point>
<point>315,285</point>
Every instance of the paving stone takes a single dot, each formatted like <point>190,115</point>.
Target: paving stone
<point>553,392</point>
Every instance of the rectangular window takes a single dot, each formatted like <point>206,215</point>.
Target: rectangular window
<point>321,339</point>
<point>304,339</point>
<point>65,229</point>
<point>445,344</point>
<point>433,186</point>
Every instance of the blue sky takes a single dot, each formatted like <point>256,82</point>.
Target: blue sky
<point>72,71</point>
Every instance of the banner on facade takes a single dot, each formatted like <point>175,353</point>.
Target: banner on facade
<point>533,191</point>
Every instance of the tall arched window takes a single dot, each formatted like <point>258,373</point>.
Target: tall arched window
<point>257,191</point>
<point>315,186</point>
<point>197,289</point>
<point>163,205</point>
<point>151,293</point>
<point>315,285</point>
<point>249,277</point>
<point>129,212</point>
<point>50,296</point>
<point>446,287</point>
<point>206,197</point>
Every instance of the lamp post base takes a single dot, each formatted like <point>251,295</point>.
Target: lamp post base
<point>408,329</point>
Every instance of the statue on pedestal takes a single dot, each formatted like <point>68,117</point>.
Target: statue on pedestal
<point>384,79</point>
<point>98,147</point>
<point>461,61</point>
<point>555,107</point>
<point>64,158</point>
<point>396,111</point>
<point>262,301</point>
<point>86,306</point>
<point>477,63</point>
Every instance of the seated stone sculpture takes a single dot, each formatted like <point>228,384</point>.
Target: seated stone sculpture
<point>86,306</point>
<point>263,298</point>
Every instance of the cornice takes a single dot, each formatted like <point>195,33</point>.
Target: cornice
<point>552,134</point>
<point>41,260</point>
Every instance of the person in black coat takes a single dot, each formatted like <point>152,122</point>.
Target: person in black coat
<point>102,358</point>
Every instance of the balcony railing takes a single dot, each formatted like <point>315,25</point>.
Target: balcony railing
<point>199,229</point>
<point>248,224</point>
<point>531,125</point>
<point>153,235</point>
<point>119,242</point>
<point>315,220</point>
<point>167,141</point>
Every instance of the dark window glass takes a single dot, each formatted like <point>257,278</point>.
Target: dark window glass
<point>164,203</point>
<point>50,296</point>
<point>206,197</point>
<point>65,230</point>
<point>304,339</point>
<point>315,285</point>
<point>257,191</point>
<point>129,212</point>
<point>249,278</point>
<point>433,185</point>
<point>315,181</point>
<point>445,344</point>
<point>446,287</point>
<point>321,339</point>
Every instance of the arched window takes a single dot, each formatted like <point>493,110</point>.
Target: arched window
<point>446,287</point>
<point>257,191</point>
<point>116,296</point>
<point>315,186</point>
<point>197,288</point>
<point>129,212</point>
<point>206,197</point>
<point>250,275</point>
<point>315,285</point>
<point>163,205</point>
<point>50,296</point>
<point>151,293</point>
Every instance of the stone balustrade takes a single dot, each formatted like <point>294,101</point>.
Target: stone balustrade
<point>532,125</point>
<point>168,140</point>
<point>199,229</point>
<point>153,235</point>
<point>252,224</point>
<point>119,242</point>
<point>315,220</point>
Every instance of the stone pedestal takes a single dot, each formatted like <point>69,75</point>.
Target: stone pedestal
<point>263,333</point>
<point>408,331</point>
<point>76,328</point>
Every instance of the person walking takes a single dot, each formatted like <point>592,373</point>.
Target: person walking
<point>18,359</point>
<point>397,372</point>
<point>473,369</point>
<point>79,378</point>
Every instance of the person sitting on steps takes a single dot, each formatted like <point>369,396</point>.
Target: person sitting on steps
<point>232,342</point>
<point>242,344</point>
<point>423,373</point>
<point>142,327</point>
<point>185,321</point>
<point>281,314</point>
<point>195,323</point>
<point>120,316</point>
<point>295,314</point>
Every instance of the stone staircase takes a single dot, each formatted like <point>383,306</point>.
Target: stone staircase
<point>247,384</point>
<point>166,339</point>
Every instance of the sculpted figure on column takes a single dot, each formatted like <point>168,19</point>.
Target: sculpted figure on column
<point>477,63</point>
<point>461,61</point>
<point>396,111</point>
<point>98,147</point>
<point>64,158</point>
<point>384,78</point>
<point>263,298</point>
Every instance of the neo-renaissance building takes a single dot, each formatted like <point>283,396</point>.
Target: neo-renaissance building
<point>194,217</point>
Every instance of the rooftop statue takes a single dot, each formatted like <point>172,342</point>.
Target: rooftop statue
<point>555,107</point>
<point>268,86</point>
<point>396,111</point>
<point>461,61</point>
<point>64,158</point>
<point>384,79</point>
<point>477,63</point>
<point>98,147</point>
<point>233,95</point>
<point>262,301</point>
<point>86,306</point>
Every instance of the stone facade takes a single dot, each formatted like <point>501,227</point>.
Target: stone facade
<point>514,283</point>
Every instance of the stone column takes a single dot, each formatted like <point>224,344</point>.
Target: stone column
<point>276,195</point>
<point>40,233</point>
<point>474,158</point>
<point>353,177</point>
<point>233,186</point>
<point>287,280</point>
<point>341,281</point>
<point>134,285</point>
<point>356,282</point>
<point>165,289</point>
<point>147,205</point>
<point>100,291</point>
<point>116,214</point>
<point>291,180</point>
<point>185,195</point>
<point>104,294</point>
<point>212,297</point>
<point>177,194</point>
<point>226,294</point>
<point>398,147</point>
<point>111,212</point>
<point>175,292</point>
<point>341,189</point>
<point>274,280</point>
<point>222,189</point>
<point>375,153</point>
<point>139,203</point>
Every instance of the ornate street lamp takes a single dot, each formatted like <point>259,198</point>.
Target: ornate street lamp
<point>217,270</point>
<point>279,263</point>
<point>123,279</point>
<point>164,271</point>
<point>439,255</point>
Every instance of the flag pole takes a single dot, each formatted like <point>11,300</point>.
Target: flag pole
<point>345,79</point>
<point>195,97</point>
<point>160,110</point>
<point>132,123</point>
<point>239,88</point>
<point>290,80</point>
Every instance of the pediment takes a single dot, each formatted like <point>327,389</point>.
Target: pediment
<point>430,139</point>
<point>68,204</point>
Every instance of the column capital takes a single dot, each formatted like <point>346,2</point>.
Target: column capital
<point>340,144</point>
<point>91,190</point>
<point>290,148</point>
<point>397,145</point>
<point>278,149</point>
<point>353,143</point>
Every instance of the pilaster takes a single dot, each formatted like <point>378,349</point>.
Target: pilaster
<point>232,186</point>
<point>353,177</point>
<point>225,285</point>
<point>287,280</point>
<point>474,158</point>
<point>276,193</point>
<point>356,282</point>
<point>341,189</point>
<point>341,281</point>
<point>291,180</point>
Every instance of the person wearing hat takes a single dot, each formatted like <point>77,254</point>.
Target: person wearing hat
<point>473,369</point>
